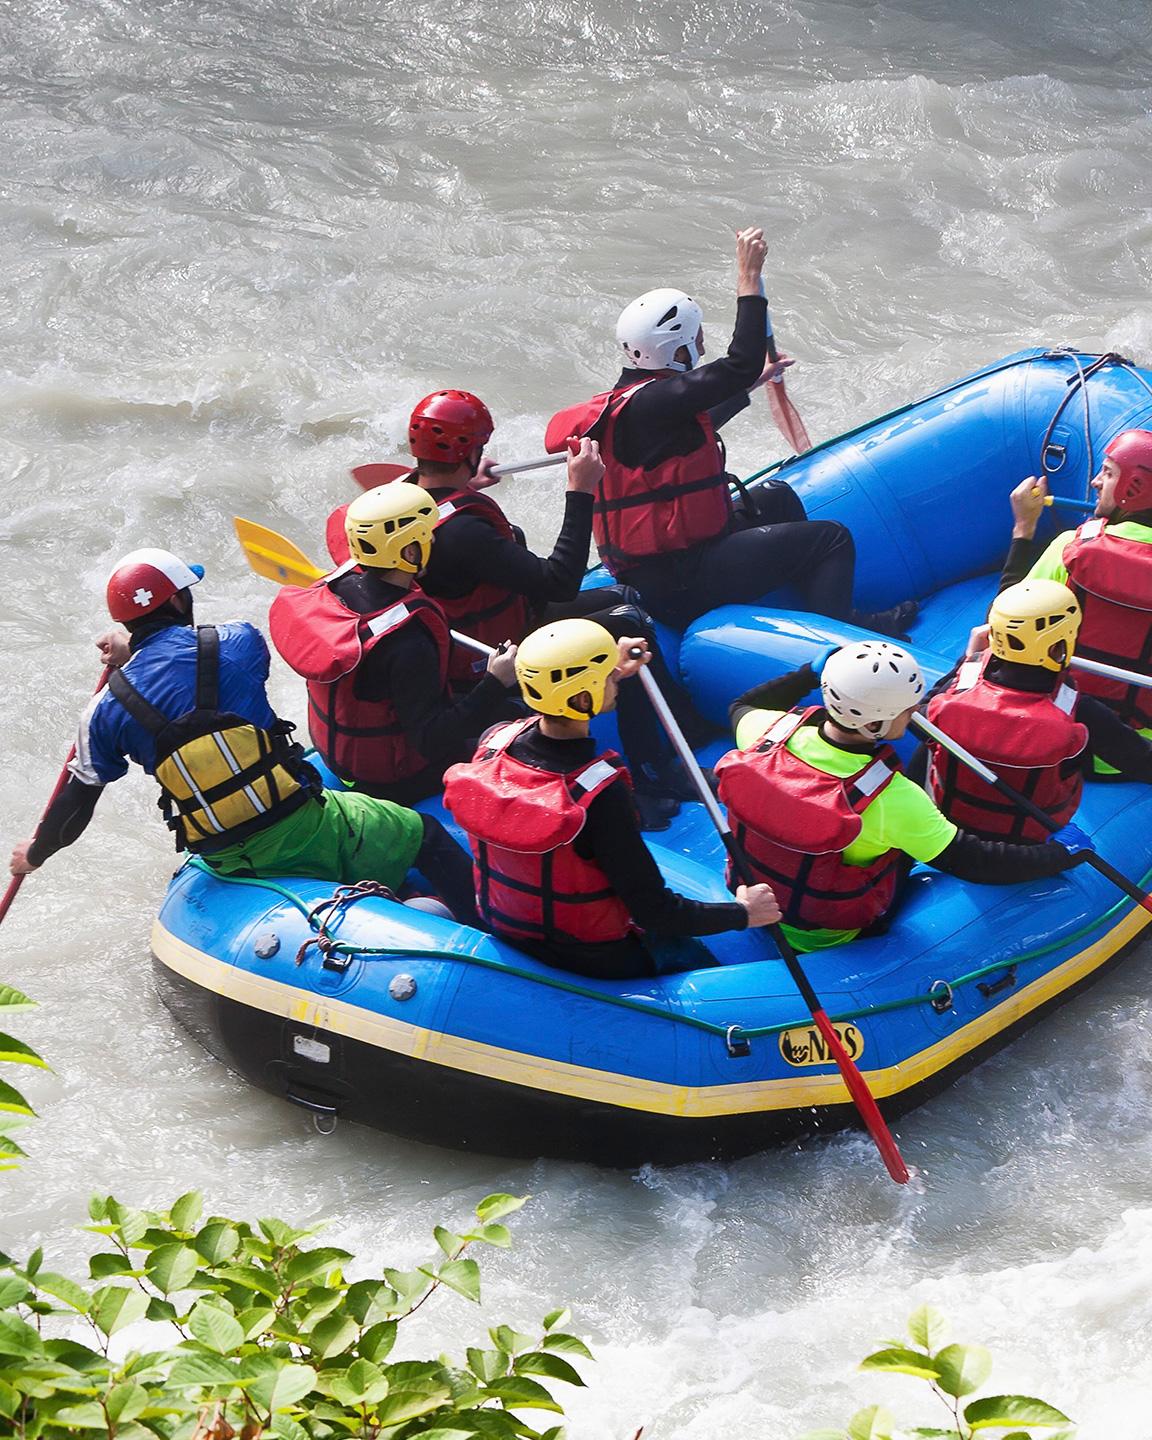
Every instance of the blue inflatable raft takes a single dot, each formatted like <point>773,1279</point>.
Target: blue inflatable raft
<point>432,1030</point>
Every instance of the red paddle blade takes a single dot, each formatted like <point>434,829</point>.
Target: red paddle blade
<point>788,422</point>
<point>865,1104</point>
<point>369,476</point>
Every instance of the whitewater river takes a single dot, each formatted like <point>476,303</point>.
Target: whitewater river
<point>238,238</point>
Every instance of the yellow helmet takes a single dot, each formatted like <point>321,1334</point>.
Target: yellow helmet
<point>560,662</point>
<point>1028,622</point>
<point>382,523</point>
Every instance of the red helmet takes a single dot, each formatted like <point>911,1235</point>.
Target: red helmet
<point>1131,451</point>
<point>448,426</point>
<point>145,579</point>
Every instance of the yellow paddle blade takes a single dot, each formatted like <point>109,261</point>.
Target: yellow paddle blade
<point>274,557</point>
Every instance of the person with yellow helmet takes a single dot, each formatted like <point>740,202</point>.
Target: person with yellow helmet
<point>376,652</point>
<point>188,705</point>
<point>819,801</point>
<point>1018,710</point>
<point>1107,563</point>
<point>561,867</point>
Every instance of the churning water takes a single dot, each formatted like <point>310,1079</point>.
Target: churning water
<point>238,238</point>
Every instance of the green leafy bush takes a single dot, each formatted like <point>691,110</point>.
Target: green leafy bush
<point>14,1109</point>
<point>953,1372</point>
<point>246,1331</point>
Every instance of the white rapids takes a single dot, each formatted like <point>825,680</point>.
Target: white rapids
<point>237,241</point>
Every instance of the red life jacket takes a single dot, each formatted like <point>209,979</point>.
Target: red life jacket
<point>521,822</point>
<point>488,613</point>
<point>1112,579</point>
<point>1026,738</point>
<point>639,513</point>
<point>795,821</point>
<point>324,641</point>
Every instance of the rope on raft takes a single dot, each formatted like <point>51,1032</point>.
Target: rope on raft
<point>730,1034</point>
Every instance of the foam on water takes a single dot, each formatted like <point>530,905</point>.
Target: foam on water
<point>237,241</point>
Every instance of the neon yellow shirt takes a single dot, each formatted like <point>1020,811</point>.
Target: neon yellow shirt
<point>902,817</point>
<point>1050,566</point>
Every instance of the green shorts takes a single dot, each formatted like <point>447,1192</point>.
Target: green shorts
<point>349,837</point>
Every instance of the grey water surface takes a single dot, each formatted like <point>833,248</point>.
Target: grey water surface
<point>238,238</point>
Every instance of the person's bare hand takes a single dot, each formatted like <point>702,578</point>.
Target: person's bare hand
<point>751,252</point>
<point>774,369</point>
<point>483,478</point>
<point>1028,506</point>
<point>629,663</point>
<point>502,665</point>
<point>761,904</point>
<point>19,864</point>
<point>113,647</point>
<point>977,642</point>
<point>585,468</point>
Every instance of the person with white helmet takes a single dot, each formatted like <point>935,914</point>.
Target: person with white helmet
<point>817,798</point>
<point>1019,710</point>
<point>377,653</point>
<point>562,870</point>
<point>664,521</point>
<point>188,704</point>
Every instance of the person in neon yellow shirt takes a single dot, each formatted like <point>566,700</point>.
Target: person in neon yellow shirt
<point>818,800</point>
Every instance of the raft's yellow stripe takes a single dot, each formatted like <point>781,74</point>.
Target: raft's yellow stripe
<point>606,1086</point>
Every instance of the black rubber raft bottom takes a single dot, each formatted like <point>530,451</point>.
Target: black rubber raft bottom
<point>439,1105</point>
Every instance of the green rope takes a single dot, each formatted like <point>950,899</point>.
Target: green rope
<point>622,1002</point>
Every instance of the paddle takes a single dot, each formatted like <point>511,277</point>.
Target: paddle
<point>1112,672</point>
<point>784,413</point>
<point>1109,871</point>
<point>61,780</point>
<point>369,476</point>
<point>856,1084</point>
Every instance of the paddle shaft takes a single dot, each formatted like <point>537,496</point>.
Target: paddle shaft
<point>856,1085</point>
<point>61,780</point>
<point>1109,871</point>
<point>1112,672</point>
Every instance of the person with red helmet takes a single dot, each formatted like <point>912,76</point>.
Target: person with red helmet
<point>492,588</point>
<point>188,704</point>
<point>1107,564</point>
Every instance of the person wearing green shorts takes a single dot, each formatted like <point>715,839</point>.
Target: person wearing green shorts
<point>820,804</point>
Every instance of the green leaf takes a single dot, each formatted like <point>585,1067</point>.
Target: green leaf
<point>218,1241</point>
<point>567,1344</point>
<point>313,1262</point>
<point>187,1210</point>
<point>86,1416</point>
<point>125,1401</point>
<point>376,1343</point>
<point>495,1235</point>
<point>109,1262</point>
<point>12,1102</point>
<point>255,1320</point>
<point>536,1362</point>
<point>928,1328</point>
<point>64,1289</point>
<point>160,1309</point>
<point>250,1277</point>
<point>408,1284</point>
<point>901,1362</point>
<point>447,1240</point>
<point>280,1233</point>
<point>114,1306</point>
<point>402,1405</point>
<point>132,1224</point>
<point>487,1364</point>
<point>17,1337</point>
<point>12,1291</point>
<point>285,1428</point>
<point>10,1153</point>
<point>202,1369</point>
<point>215,1328</point>
<point>35,1260</point>
<point>13,999</point>
<point>171,1267</point>
<point>17,1053</point>
<point>872,1423</point>
<point>932,1432</point>
<point>1000,1411</point>
<point>518,1390</point>
<point>962,1368</point>
<point>509,1340</point>
<point>463,1276</point>
<point>333,1336</point>
<point>283,1387</point>
<point>495,1207</point>
<point>556,1317</point>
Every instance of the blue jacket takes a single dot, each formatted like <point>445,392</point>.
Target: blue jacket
<point>163,669</point>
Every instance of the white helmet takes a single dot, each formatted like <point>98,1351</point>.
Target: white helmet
<point>655,326</point>
<point>868,684</point>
